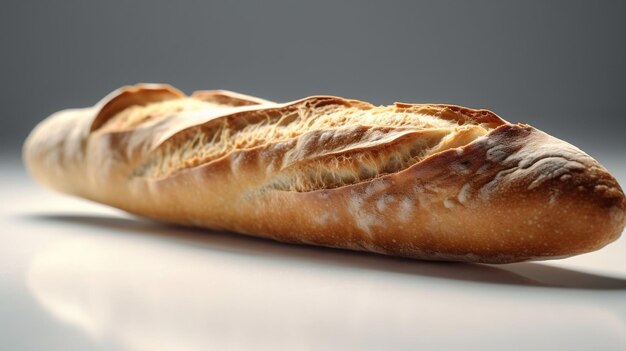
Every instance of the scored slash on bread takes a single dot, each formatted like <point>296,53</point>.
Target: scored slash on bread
<point>426,181</point>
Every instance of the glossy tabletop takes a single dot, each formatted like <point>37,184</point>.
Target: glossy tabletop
<point>75,275</point>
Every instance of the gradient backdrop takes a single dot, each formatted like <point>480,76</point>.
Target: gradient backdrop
<point>558,65</point>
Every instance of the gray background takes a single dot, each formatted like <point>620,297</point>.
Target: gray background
<point>558,65</point>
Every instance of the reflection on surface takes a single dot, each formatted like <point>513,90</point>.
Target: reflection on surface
<point>526,274</point>
<point>179,289</point>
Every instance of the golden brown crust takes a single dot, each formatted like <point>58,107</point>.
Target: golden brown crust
<point>435,182</point>
<point>228,98</point>
<point>141,94</point>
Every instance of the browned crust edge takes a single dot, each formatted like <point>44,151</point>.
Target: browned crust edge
<point>516,194</point>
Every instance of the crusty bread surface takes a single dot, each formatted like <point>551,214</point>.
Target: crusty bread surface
<point>427,181</point>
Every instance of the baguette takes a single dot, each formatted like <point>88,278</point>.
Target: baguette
<point>434,182</point>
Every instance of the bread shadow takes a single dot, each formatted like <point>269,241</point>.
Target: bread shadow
<point>525,274</point>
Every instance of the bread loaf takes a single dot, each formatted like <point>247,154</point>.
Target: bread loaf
<point>436,182</point>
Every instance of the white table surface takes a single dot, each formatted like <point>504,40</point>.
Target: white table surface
<point>80,276</point>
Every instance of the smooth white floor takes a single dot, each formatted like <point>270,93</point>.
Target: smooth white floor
<point>80,276</point>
